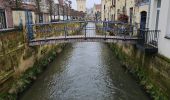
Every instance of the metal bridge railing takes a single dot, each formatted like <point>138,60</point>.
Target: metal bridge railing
<point>92,29</point>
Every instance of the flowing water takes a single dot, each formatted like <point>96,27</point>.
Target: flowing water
<point>85,71</point>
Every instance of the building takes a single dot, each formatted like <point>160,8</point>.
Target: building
<point>141,13</point>
<point>137,11</point>
<point>43,13</point>
<point>6,20</point>
<point>97,11</point>
<point>108,10</point>
<point>24,13</point>
<point>89,14</point>
<point>152,14</point>
<point>81,5</point>
<point>160,20</point>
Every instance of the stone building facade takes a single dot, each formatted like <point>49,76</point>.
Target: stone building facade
<point>136,10</point>
<point>81,5</point>
<point>97,11</point>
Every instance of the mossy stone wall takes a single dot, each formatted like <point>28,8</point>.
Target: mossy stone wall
<point>16,56</point>
<point>152,72</point>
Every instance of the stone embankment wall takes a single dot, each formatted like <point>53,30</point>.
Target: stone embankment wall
<point>151,70</point>
<point>19,63</point>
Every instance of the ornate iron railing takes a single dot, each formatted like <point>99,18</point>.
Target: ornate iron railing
<point>149,37</point>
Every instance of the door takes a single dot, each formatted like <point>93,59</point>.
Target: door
<point>143,20</point>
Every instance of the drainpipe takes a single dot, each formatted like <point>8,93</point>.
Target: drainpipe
<point>149,13</point>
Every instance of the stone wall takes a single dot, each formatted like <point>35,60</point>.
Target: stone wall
<point>16,56</point>
<point>152,70</point>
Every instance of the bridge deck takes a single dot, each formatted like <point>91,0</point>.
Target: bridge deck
<point>83,38</point>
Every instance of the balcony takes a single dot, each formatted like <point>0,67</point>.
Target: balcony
<point>149,41</point>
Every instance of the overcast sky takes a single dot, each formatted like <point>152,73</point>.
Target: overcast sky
<point>89,3</point>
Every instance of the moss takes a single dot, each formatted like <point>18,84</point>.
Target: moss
<point>13,40</point>
<point>28,53</point>
<point>135,68</point>
<point>23,82</point>
<point>164,58</point>
<point>7,96</point>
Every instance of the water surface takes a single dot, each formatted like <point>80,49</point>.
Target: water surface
<point>85,71</point>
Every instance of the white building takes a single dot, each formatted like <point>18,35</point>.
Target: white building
<point>81,5</point>
<point>160,19</point>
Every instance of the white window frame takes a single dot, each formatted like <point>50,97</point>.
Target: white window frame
<point>167,35</point>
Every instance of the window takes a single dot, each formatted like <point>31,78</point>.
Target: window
<point>158,13</point>
<point>113,2</point>
<point>131,14</point>
<point>168,27</point>
<point>2,19</point>
<point>157,20</point>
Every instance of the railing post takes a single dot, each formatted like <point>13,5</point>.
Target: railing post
<point>117,30</point>
<point>105,30</point>
<point>65,32</point>
<point>85,32</point>
<point>146,36</point>
<point>105,33</point>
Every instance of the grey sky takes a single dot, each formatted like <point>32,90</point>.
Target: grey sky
<point>89,3</point>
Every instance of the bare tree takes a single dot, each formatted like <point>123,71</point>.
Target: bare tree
<point>13,3</point>
<point>51,2</point>
<point>38,5</point>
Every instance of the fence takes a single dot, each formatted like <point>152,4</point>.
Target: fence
<point>149,37</point>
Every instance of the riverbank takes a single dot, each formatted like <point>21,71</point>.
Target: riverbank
<point>23,82</point>
<point>20,63</point>
<point>85,71</point>
<point>147,69</point>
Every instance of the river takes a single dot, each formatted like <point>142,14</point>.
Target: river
<point>85,71</point>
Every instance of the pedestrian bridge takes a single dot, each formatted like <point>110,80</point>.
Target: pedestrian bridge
<point>86,31</point>
<point>82,38</point>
